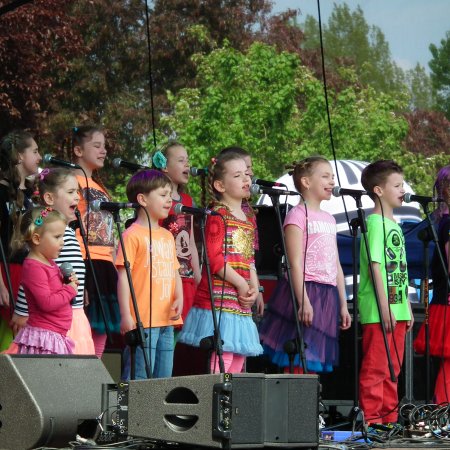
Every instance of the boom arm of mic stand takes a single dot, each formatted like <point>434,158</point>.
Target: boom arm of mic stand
<point>217,336</point>
<point>139,326</point>
<point>299,328</point>
<point>377,296</point>
<point>94,277</point>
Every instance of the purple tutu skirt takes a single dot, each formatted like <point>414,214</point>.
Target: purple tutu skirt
<point>38,341</point>
<point>321,338</point>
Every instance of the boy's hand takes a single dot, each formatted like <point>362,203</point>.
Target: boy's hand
<point>126,324</point>
<point>177,309</point>
<point>388,319</point>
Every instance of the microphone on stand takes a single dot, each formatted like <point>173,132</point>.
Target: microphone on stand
<point>339,191</point>
<point>98,205</point>
<point>196,171</point>
<point>422,199</point>
<point>49,159</point>
<point>134,167</point>
<point>256,189</point>
<point>267,183</point>
<point>182,209</point>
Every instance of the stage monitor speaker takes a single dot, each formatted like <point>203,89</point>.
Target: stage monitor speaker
<point>45,398</point>
<point>221,411</point>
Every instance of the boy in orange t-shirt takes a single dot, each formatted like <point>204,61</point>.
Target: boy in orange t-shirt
<point>150,250</point>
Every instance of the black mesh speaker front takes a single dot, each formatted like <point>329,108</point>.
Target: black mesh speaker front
<point>44,398</point>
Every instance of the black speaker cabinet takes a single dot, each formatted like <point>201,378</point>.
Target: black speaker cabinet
<point>44,398</point>
<point>223,410</point>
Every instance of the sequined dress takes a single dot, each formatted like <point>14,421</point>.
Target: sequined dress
<point>232,240</point>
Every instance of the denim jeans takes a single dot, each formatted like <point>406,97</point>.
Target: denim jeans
<point>161,361</point>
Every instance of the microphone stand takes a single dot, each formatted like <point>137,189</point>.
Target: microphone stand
<point>362,223</point>
<point>217,339</point>
<point>425,236</point>
<point>134,337</point>
<point>299,328</point>
<point>94,277</point>
<point>8,279</point>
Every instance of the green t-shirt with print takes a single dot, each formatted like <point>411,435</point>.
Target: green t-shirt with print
<point>387,247</point>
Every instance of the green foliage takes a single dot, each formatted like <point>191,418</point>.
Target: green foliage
<point>440,74</point>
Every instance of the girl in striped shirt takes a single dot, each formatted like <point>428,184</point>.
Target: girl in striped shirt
<point>58,188</point>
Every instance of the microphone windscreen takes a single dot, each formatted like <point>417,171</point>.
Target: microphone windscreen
<point>178,208</point>
<point>407,197</point>
<point>66,269</point>
<point>116,163</point>
<point>336,191</point>
<point>47,159</point>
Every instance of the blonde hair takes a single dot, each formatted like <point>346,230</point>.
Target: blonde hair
<point>34,221</point>
<point>304,168</point>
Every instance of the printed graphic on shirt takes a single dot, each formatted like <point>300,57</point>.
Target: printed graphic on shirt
<point>101,223</point>
<point>396,267</point>
<point>180,227</point>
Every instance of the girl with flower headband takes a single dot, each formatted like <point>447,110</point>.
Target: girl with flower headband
<point>50,312</point>
<point>173,160</point>
<point>19,159</point>
<point>89,152</point>
<point>58,188</point>
<point>230,247</point>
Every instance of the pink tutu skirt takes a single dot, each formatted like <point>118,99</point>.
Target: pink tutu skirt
<point>38,341</point>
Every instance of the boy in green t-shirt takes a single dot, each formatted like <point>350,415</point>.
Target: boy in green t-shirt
<point>378,393</point>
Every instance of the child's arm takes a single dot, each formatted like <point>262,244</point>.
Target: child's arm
<point>123,294</point>
<point>410,323</point>
<point>346,320</point>
<point>194,255</point>
<point>246,294</point>
<point>294,247</point>
<point>386,314</point>
<point>177,305</point>
<point>4,294</point>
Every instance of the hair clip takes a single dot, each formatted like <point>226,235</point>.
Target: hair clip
<point>44,173</point>
<point>44,213</point>
<point>159,160</point>
<point>213,161</point>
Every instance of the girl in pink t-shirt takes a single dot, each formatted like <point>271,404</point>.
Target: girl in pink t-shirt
<point>48,294</point>
<point>317,277</point>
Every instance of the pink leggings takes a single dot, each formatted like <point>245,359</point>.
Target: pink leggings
<point>232,361</point>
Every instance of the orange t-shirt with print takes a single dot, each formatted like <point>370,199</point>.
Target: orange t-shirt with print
<point>164,267</point>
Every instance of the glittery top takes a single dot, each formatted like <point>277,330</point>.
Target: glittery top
<point>239,249</point>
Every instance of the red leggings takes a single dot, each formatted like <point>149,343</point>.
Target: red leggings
<point>378,394</point>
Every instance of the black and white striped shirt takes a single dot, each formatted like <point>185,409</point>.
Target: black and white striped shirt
<point>70,253</point>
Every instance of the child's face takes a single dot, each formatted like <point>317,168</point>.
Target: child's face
<point>178,165</point>
<point>50,243</point>
<point>93,152</point>
<point>391,194</point>
<point>65,199</point>
<point>158,202</point>
<point>30,159</point>
<point>236,181</point>
<point>321,181</point>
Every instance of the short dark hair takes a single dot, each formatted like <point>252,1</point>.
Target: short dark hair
<point>376,173</point>
<point>145,181</point>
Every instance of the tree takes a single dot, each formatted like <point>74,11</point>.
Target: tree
<point>37,42</point>
<point>440,74</point>
<point>270,104</point>
<point>420,88</point>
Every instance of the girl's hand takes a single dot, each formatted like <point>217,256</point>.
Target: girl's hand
<point>306,313</point>
<point>4,294</point>
<point>177,308</point>
<point>346,320</point>
<point>74,281</point>
<point>17,323</point>
<point>126,324</point>
<point>247,300</point>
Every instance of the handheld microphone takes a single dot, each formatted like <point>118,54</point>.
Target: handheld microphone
<point>181,209</point>
<point>49,159</point>
<point>196,171</point>
<point>66,271</point>
<point>422,199</point>
<point>98,205</point>
<point>118,162</point>
<point>256,189</point>
<point>267,183</point>
<point>338,191</point>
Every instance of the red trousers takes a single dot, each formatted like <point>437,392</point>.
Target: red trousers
<point>378,394</point>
